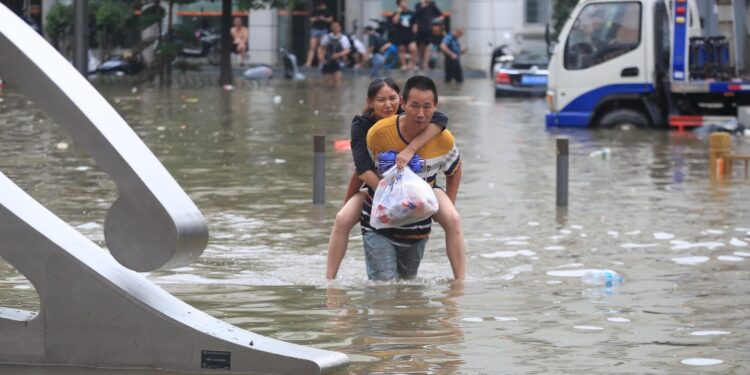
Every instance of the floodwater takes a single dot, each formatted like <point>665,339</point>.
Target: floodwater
<point>649,211</point>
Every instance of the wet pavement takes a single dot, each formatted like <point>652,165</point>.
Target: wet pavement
<point>648,211</point>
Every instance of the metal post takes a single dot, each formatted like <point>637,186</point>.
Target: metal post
<point>562,172</point>
<point>81,38</point>
<point>319,169</point>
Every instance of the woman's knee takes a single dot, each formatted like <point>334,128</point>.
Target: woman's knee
<point>449,219</point>
<point>345,220</point>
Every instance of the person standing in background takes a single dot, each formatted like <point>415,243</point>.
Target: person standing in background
<point>321,20</point>
<point>402,34</point>
<point>425,13</point>
<point>451,47</point>
<point>334,47</point>
<point>240,36</point>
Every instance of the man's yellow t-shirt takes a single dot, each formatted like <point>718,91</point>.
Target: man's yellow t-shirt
<point>439,154</point>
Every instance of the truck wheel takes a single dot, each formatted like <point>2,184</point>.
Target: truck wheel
<point>623,119</point>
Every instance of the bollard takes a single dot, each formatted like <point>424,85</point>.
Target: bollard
<point>720,146</point>
<point>319,169</point>
<point>562,172</point>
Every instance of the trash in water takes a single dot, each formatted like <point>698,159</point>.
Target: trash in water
<point>701,361</point>
<point>603,153</point>
<point>730,126</point>
<point>618,320</point>
<point>342,145</point>
<point>277,99</point>
<point>709,333</point>
<point>606,278</point>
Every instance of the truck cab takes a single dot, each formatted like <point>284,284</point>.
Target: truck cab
<point>616,64</point>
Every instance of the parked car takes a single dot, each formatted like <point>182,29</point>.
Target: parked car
<point>521,73</point>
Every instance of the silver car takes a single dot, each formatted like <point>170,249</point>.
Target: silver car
<point>522,73</point>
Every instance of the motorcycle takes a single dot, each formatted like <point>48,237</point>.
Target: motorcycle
<point>209,47</point>
<point>126,64</point>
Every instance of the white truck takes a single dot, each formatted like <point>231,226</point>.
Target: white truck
<point>649,63</point>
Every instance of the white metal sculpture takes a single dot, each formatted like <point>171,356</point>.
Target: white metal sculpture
<point>93,310</point>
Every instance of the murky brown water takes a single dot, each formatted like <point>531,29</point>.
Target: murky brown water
<point>649,212</point>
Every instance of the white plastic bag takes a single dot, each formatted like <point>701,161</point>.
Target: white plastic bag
<point>402,198</point>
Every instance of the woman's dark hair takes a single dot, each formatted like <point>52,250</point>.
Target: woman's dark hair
<point>375,86</point>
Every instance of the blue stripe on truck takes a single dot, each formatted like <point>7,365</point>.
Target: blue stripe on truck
<point>578,112</point>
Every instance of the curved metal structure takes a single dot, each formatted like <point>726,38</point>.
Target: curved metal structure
<point>94,311</point>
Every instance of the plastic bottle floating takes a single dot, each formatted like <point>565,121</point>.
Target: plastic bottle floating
<point>606,278</point>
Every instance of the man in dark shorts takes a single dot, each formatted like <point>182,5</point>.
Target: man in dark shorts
<point>424,14</point>
<point>402,34</point>
<point>334,47</point>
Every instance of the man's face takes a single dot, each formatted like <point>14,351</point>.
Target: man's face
<point>237,22</point>
<point>335,28</point>
<point>420,106</point>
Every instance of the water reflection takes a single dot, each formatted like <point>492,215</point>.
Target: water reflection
<point>399,327</point>
<point>247,164</point>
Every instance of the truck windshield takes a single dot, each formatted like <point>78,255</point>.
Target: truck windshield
<point>601,33</point>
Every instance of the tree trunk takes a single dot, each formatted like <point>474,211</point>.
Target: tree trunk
<point>226,43</point>
<point>168,67</point>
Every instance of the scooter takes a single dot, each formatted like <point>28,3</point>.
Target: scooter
<point>291,69</point>
<point>126,64</point>
<point>209,47</point>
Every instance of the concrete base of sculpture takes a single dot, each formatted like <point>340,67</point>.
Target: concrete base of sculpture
<point>94,311</point>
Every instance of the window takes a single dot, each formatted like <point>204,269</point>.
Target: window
<point>537,11</point>
<point>601,33</point>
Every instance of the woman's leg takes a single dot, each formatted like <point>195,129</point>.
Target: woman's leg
<point>312,51</point>
<point>455,247</point>
<point>346,219</point>
<point>413,53</point>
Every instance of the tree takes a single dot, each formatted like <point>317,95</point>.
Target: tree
<point>111,17</point>
<point>59,23</point>
<point>560,14</point>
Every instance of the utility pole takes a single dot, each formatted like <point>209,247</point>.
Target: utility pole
<point>225,65</point>
<point>81,36</point>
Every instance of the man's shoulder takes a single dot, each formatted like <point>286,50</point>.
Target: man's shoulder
<point>383,125</point>
<point>444,139</point>
<point>440,145</point>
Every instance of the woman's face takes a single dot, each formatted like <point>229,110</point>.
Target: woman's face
<point>385,103</point>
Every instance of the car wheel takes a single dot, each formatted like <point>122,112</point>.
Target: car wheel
<point>624,119</point>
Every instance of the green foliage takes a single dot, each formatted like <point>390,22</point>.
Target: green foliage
<point>560,14</point>
<point>111,17</point>
<point>59,22</point>
<point>151,15</point>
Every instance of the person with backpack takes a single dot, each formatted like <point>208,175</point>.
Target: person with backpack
<point>334,47</point>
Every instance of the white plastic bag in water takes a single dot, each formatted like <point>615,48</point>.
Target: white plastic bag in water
<point>402,198</point>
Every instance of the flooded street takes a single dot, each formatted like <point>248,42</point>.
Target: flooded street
<point>649,211</point>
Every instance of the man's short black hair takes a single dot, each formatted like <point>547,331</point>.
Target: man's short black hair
<point>423,83</point>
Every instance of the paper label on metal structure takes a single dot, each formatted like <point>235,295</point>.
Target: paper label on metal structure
<point>215,359</point>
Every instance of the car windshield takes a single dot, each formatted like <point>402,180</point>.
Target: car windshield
<point>532,56</point>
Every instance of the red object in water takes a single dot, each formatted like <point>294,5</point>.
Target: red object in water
<point>342,145</point>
